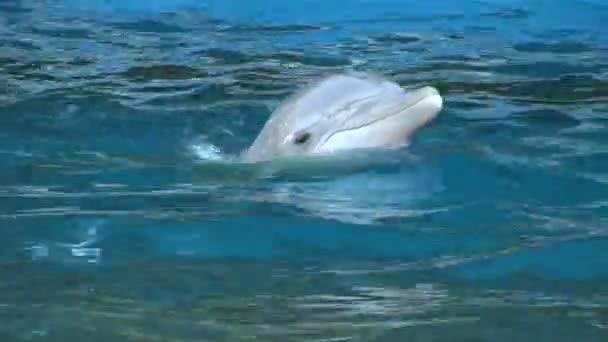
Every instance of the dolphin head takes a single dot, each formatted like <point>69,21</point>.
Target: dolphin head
<point>345,112</point>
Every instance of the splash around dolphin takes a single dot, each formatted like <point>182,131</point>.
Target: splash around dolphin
<point>345,112</point>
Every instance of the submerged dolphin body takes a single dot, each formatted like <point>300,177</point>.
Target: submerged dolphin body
<point>344,112</point>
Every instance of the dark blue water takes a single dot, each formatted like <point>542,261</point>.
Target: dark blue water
<point>120,220</point>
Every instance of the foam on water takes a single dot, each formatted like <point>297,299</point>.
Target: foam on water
<point>206,151</point>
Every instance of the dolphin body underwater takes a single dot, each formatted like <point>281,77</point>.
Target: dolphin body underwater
<point>345,112</point>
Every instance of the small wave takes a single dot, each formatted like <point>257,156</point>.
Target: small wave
<point>547,118</point>
<point>309,59</point>
<point>398,38</point>
<point>150,26</point>
<point>293,28</point>
<point>509,13</point>
<point>563,47</point>
<point>65,33</point>
<point>162,72</point>
<point>227,56</point>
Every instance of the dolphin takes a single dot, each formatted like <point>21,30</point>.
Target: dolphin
<point>344,112</point>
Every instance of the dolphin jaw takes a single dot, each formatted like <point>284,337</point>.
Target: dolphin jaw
<point>431,104</point>
<point>416,109</point>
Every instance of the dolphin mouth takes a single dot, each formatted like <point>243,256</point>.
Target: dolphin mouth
<point>427,95</point>
<point>410,110</point>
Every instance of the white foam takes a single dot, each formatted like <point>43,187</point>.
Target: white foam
<point>206,151</point>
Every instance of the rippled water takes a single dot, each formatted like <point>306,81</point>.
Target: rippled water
<point>123,217</point>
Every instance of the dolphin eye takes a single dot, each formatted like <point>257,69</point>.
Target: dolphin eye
<point>301,138</point>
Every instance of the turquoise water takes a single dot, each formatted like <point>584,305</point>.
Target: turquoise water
<point>124,219</point>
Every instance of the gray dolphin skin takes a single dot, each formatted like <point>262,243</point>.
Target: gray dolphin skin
<point>344,112</point>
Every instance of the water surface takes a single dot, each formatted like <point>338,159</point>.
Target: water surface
<point>122,220</point>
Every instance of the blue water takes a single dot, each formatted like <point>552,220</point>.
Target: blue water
<point>123,217</point>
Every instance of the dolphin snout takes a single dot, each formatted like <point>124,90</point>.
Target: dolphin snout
<point>427,99</point>
<point>428,91</point>
<point>424,93</point>
<point>432,98</point>
<point>421,106</point>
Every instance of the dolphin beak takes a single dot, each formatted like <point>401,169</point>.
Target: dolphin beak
<point>393,123</point>
<point>422,105</point>
<point>425,101</point>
